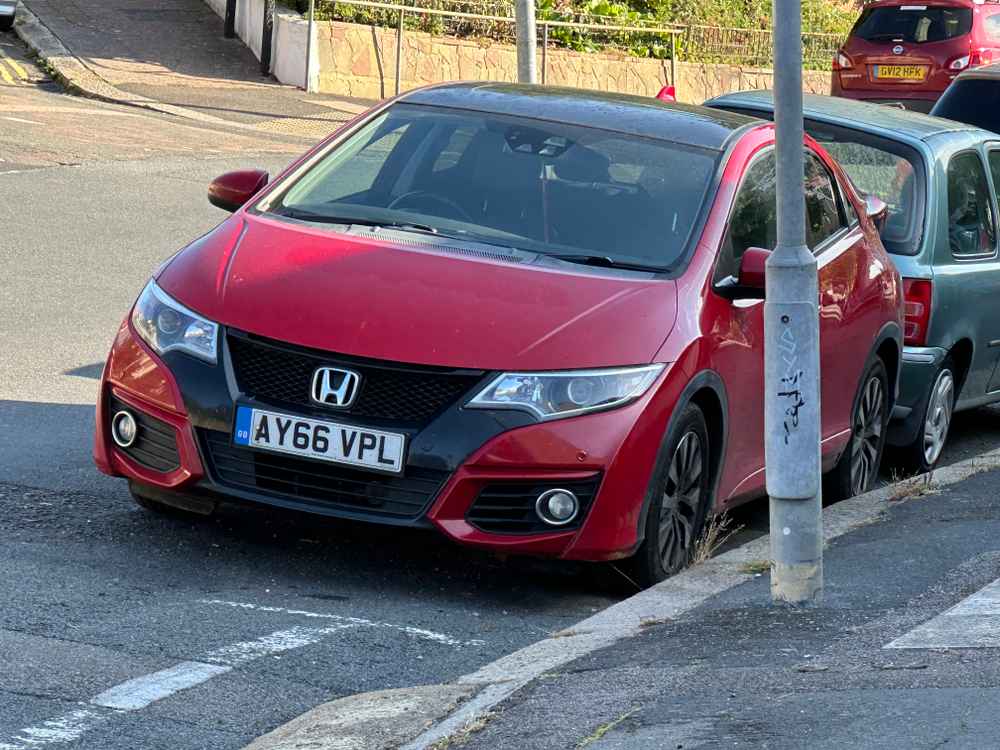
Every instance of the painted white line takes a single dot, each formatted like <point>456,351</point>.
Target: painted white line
<point>972,623</point>
<point>667,600</point>
<point>21,119</point>
<point>237,654</point>
<point>429,635</point>
<point>69,727</point>
<point>140,692</point>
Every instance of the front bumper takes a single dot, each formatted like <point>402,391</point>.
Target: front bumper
<point>919,368</point>
<point>452,462</point>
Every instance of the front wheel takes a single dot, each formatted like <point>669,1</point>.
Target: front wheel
<point>680,501</point>
<point>857,469</point>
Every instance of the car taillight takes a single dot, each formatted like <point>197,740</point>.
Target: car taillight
<point>982,56</point>
<point>842,62</point>
<point>916,310</point>
<point>667,94</point>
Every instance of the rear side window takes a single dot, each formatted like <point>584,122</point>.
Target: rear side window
<point>823,216</point>
<point>889,170</point>
<point>971,227</point>
<point>991,26</point>
<point>915,24</point>
<point>974,101</point>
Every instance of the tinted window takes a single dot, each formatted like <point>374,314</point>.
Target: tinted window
<point>915,24</point>
<point>532,184</point>
<point>995,168</point>
<point>971,229</point>
<point>823,216</point>
<point>974,101</point>
<point>753,220</point>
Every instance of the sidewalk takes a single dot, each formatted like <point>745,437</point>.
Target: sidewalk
<point>903,653</point>
<point>170,55</point>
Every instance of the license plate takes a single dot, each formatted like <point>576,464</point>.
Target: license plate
<point>315,438</point>
<point>901,72</point>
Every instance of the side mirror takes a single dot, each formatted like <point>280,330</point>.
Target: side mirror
<point>750,282</point>
<point>667,94</point>
<point>877,211</point>
<point>233,189</point>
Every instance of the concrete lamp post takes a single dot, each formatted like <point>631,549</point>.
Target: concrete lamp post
<point>791,344</point>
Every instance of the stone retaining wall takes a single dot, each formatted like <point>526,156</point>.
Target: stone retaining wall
<point>356,60</point>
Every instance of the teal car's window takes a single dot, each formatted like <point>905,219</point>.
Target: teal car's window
<point>971,224</point>
<point>823,216</point>
<point>753,221</point>
<point>994,160</point>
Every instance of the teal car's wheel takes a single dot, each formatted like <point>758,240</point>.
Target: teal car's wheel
<point>923,453</point>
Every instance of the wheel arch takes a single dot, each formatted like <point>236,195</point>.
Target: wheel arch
<point>707,391</point>
<point>888,347</point>
<point>961,353</point>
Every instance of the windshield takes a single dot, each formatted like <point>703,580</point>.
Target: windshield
<point>529,184</point>
<point>889,170</point>
<point>915,24</point>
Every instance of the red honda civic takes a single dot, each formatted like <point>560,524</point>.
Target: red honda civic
<point>528,317</point>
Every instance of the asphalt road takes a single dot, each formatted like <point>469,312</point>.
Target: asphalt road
<point>285,610</point>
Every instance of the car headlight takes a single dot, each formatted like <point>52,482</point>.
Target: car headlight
<point>551,395</point>
<point>166,325</point>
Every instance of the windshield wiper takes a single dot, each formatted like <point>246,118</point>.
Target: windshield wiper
<point>298,213</point>
<point>603,261</point>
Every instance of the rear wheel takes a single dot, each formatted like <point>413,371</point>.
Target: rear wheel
<point>857,469</point>
<point>680,501</point>
<point>923,453</point>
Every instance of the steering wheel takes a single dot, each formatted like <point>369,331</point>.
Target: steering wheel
<point>415,197</point>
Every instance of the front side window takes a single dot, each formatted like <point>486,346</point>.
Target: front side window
<point>753,221</point>
<point>915,24</point>
<point>991,25</point>
<point>971,227</point>
<point>532,185</point>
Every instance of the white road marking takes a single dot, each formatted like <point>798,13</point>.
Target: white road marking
<point>21,119</point>
<point>284,640</point>
<point>66,728</point>
<point>140,692</point>
<point>132,695</point>
<point>972,623</point>
<point>429,635</point>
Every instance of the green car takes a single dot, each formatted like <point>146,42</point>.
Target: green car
<point>939,180</point>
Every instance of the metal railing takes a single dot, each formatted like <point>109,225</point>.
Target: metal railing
<point>495,20</point>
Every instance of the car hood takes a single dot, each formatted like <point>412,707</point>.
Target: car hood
<point>413,303</point>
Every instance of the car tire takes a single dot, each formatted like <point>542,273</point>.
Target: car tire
<point>857,469</point>
<point>920,456</point>
<point>680,500</point>
<point>173,511</point>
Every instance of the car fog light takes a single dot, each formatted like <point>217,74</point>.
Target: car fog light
<point>557,507</point>
<point>123,429</point>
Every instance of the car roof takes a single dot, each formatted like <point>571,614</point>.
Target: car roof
<point>877,118</point>
<point>931,3</point>
<point>623,113</point>
<point>985,71</point>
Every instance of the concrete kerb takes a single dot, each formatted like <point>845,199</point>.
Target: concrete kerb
<point>475,695</point>
<point>70,71</point>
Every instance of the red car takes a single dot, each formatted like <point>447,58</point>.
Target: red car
<point>907,53</point>
<point>528,317</point>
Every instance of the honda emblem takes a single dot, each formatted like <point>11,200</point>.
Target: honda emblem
<point>334,387</point>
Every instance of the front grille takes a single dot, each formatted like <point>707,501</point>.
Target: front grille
<point>155,445</point>
<point>283,374</point>
<point>320,483</point>
<point>509,507</point>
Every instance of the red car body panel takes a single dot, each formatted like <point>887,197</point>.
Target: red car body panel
<point>858,80</point>
<point>411,305</point>
<point>369,298</point>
